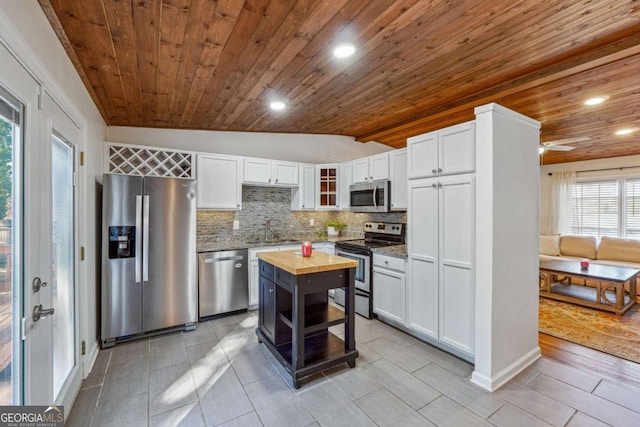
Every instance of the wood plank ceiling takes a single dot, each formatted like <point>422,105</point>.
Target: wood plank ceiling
<point>420,65</point>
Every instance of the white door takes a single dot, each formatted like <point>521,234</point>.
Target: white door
<point>422,151</point>
<point>286,173</point>
<point>457,290</point>
<point>361,170</point>
<point>457,148</point>
<point>379,167</point>
<point>219,182</point>
<point>422,295</point>
<point>43,230</point>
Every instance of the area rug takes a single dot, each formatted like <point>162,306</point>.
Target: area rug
<point>606,332</point>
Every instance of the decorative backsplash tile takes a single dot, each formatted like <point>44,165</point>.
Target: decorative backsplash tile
<point>260,204</point>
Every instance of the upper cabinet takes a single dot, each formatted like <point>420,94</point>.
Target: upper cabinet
<point>270,172</point>
<point>445,152</point>
<point>398,176</point>
<point>219,182</point>
<point>303,197</point>
<point>346,179</point>
<point>327,185</point>
<point>371,168</point>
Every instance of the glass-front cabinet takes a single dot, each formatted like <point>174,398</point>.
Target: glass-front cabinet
<point>328,185</point>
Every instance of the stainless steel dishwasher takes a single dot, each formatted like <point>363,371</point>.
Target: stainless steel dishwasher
<point>222,282</point>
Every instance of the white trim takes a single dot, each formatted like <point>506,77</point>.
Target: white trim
<point>502,377</point>
<point>15,43</point>
<point>497,108</point>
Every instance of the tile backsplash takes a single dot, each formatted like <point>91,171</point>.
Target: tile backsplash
<point>260,204</point>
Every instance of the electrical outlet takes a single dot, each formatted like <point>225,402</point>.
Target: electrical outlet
<point>312,221</point>
<point>236,225</point>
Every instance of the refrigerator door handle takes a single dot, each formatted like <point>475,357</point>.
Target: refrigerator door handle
<point>138,237</point>
<point>145,239</point>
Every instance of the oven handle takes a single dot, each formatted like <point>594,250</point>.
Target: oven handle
<point>351,254</point>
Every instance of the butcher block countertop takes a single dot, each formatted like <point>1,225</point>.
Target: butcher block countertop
<point>294,263</point>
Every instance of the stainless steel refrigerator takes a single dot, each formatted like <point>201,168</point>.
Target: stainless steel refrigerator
<point>149,256</point>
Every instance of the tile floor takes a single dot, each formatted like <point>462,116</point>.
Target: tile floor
<point>220,375</point>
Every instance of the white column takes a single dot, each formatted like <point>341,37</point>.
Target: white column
<point>507,228</point>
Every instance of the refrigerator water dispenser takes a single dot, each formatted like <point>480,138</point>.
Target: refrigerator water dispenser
<point>122,241</point>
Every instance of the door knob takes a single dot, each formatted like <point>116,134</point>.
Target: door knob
<point>41,313</point>
<point>36,284</point>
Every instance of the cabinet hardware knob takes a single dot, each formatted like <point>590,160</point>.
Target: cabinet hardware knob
<point>433,185</point>
<point>269,180</point>
<point>270,290</point>
<point>433,171</point>
<point>439,170</point>
<point>439,185</point>
<point>276,180</point>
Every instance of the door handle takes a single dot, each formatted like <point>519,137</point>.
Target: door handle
<point>375,190</point>
<point>145,239</point>
<point>41,313</point>
<point>138,238</point>
<point>36,284</point>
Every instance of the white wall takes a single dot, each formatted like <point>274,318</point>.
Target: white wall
<point>281,146</point>
<point>588,165</point>
<point>28,33</point>
<point>506,244</point>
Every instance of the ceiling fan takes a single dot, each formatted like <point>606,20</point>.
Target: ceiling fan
<point>558,144</point>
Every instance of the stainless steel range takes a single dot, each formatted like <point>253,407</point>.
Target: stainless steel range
<point>376,234</point>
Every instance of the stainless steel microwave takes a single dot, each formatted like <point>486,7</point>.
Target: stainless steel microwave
<point>370,196</point>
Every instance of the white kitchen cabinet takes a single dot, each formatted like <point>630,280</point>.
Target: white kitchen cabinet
<point>371,168</point>
<point>270,172</point>
<point>389,284</point>
<point>326,247</point>
<point>219,182</point>
<point>303,197</point>
<point>327,186</point>
<point>398,177</point>
<point>346,179</point>
<point>440,294</point>
<point>445,152</point>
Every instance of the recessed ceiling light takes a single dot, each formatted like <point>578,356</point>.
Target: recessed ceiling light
<point>540,150</point>
<point>277,105</point>
<point>626,131</point>
<point>344,50</point>
<point>596,100</point>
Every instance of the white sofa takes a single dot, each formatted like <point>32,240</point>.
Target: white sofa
<point>610,250</point>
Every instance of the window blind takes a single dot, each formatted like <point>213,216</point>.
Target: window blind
<point>632,208</point>
<point>597,208</point>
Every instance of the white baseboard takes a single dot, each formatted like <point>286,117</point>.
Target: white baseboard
<point>90,360</point>
<point>502,377</point>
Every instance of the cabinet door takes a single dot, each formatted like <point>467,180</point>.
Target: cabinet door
<point>285,173</point>
<point>308,186</point>
<point>267,307</point>
<point>456,149</point>
<point>422,152</point>
<point>398,176</point>
<point>379,167</point>
<point>327,184</point>
<point>422,292</point>
<point>219,182</point>
<point>257,171</point>
<point>389,294</point>
<point>457,290</point>
<point>254,280</point>
<point>361,170</point>
<point>346,179</point>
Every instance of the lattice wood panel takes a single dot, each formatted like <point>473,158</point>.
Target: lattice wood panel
<point>129,160</point>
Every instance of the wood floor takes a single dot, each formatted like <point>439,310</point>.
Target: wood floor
<point>589,360</point>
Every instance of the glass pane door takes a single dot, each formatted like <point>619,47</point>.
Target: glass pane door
<point>62,267</point>
<point>11,112</point>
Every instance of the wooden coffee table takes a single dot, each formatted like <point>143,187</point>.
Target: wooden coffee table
<point>609,293</point>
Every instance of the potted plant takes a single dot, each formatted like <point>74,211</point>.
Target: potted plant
<point>334,225</point>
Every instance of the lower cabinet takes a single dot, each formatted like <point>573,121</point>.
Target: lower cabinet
<point>389,288</point>
<point>268,314</point>
<point>254,274</point>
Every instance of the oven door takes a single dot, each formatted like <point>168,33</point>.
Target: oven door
<point>363,270</point>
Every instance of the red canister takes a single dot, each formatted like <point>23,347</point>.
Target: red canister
<point>584,264</point>
<point>306,249</point>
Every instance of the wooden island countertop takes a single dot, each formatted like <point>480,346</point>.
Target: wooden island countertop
<point>293,262</point>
